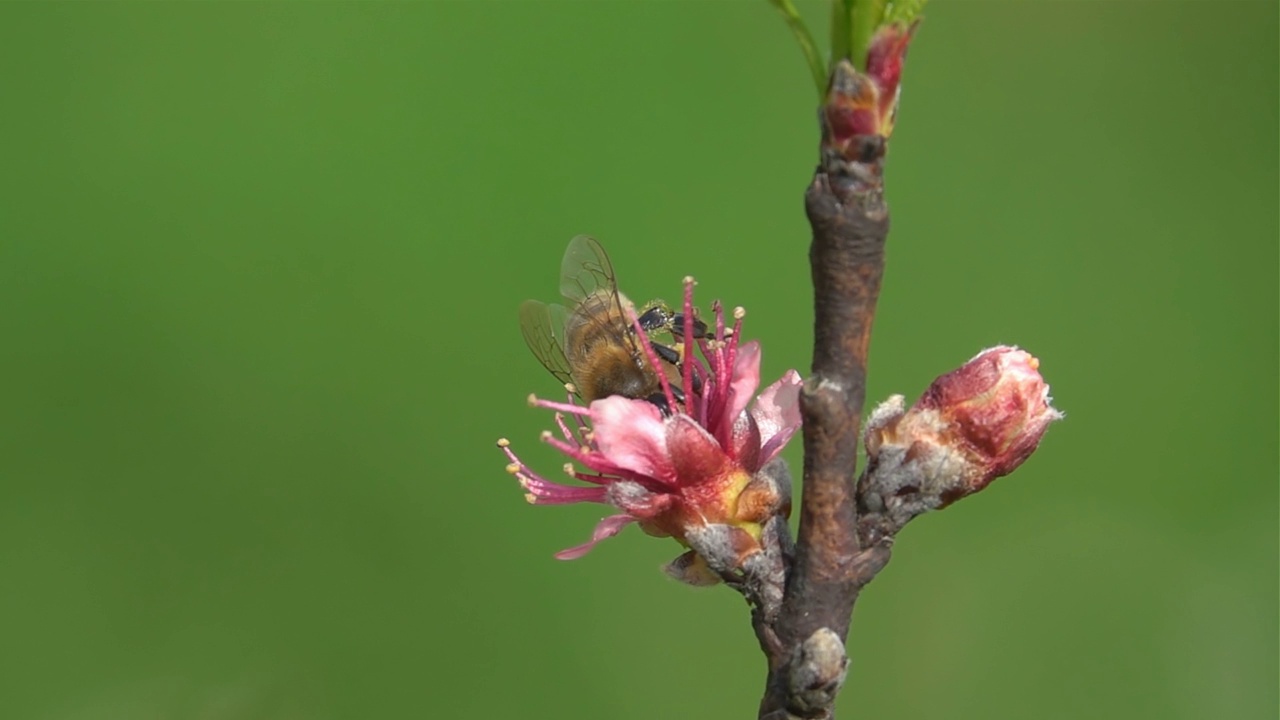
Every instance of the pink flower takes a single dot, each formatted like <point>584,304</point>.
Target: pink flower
<point>973,425</point>
<point>674,473</point>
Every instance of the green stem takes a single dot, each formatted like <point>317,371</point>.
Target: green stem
<point>865,18</point>
<point>811,54</point>
<point>840,10</point>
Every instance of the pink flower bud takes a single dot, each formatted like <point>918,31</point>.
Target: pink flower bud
<point>997,407</point>
<point>973,425</point>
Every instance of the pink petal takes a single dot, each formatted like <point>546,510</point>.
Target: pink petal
<point>631,434</point>
<point>743,382</point>
<point>606,528</point>
<point>697,456</point>
<point>777,412</point>
<point>744,445</point>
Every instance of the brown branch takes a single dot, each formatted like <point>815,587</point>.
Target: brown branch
<point>850,222</point>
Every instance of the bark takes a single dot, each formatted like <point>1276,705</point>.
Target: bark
<point>850,222</point>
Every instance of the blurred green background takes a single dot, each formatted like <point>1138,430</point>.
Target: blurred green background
<point>259,266</point>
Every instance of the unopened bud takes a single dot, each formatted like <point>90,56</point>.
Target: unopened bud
<point>724,547</point>
<point>690,569</point>
<point>972,425</point>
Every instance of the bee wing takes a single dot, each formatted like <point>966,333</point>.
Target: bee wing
<point>586,271</point>
<point>587,281</point>
<point>543,328</point>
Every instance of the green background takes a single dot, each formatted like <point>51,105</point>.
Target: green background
<point>259,266</point>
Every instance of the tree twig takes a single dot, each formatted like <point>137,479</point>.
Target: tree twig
<point>850,222</point>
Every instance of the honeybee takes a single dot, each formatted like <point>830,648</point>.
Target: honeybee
<point>592,344</point>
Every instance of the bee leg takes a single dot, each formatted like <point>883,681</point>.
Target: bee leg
<point>655,318</point>
<point>666,352</point>
<point>677,326</point>
<point>660,401</point>
<point>671,355</point>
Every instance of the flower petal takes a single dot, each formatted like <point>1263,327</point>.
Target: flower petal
<point>743,381</point>
<point>744,443</point>
<point>606,528</point>
<point>631,434</point>
<point>697,456</point>
<point>777,412</point>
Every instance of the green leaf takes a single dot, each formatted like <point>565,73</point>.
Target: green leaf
<point>811,55</point>
<point>865,19</point>
<point>902,12</point>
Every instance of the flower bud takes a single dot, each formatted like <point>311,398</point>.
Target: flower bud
<point>972,425</point>
<point>861,108</point>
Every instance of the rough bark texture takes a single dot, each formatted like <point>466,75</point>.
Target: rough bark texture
<point>850,222</point>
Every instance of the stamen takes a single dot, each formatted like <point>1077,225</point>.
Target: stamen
<point>511,455</point>
<point>592,478</point>
<point>731,349</point>
<point>559,407</point>
<point>588,458</point>
<point>719,366</point>
<point>564,429</point>
<point>686,364</point>
<point>572,391</point>
<point>544,492</point>
<point>522,472</point>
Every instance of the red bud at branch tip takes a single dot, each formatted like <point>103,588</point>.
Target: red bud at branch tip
<point>861,108</point>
